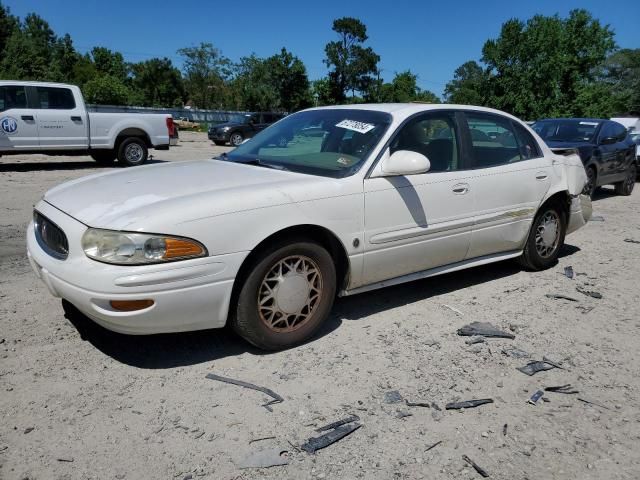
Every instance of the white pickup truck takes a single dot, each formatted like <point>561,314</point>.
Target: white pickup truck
<point>51,119</point>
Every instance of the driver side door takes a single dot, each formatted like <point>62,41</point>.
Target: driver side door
<point>423,221</point>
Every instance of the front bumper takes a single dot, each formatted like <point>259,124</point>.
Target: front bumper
<point>188,295</point>
<point>579,213</point>
<point>216,136</point>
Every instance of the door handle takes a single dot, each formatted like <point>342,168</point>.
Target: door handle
<point>27,118</point>
<point>460,189</point>
<point>541,176</point>
<point>75,118</point>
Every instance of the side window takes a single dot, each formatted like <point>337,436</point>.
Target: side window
<point>619,131</point>
<point>493,140</point>
<point>12,97</point>
<point>434,136</point>
<point>52,98</point>
<point>526,143</point>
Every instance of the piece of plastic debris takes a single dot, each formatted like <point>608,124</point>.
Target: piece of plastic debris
<point>535,397</point>
<point>468,404</point>
<point>436,406</point>
<point>483,329</point>
<point>589,293</point>
<point>261,439</point>
<point>403,413</point>
<point>417,404</point>
<point>65,459</point>
<point>331,426</point>
<point>276,398</point>
<point>566,389</point>
<point>474,340</point>
<point>316,443</point>
<point>597,218</point>
<point>265,458</point>
<point>631,240</point>
<point>430,447</point>
<point>476,467</point>
<point>555,364</point>
<point>534,367</point>
<point>515,352</point>
<point>569,273</point>
<point>504,429</point>
<point>392,396</point>
<point>589,402</point>
<point>559,296</point>
<point>453,309</point>
<point>584,309</point>
<point>545,400</point>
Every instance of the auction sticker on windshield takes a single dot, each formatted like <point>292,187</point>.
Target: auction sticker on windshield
<point>356,126</point>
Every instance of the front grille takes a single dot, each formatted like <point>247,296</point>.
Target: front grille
<point>50,237</point>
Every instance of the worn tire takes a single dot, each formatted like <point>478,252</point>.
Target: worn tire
<point>236,139</point>
<point>250,323</point>
<point>132,152</point>
<point>592,179</point>
<point>104,157</point>
<point>531,257</point>
<point>219,143</point>
<point>626,186</point>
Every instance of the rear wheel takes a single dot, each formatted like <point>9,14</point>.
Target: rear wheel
<point>545,238</point>
<point>626,187</point>
<point>132,152</point>
<point>287,295</point>
<point>590,186</point>
<point>104,157</point>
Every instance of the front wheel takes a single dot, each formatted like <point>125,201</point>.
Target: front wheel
<point>236,139</point>
<point>546,238</point>
<point>132,152</point>
<point>626,187</point>
<point>287,295</point>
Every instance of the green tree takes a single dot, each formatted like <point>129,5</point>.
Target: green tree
<point>8,23</point>
<point>206,73</point>
<point>352,67</point>
<point>106,90</point>
<point>110,63</point>
<point>620,73</point>
<point>469,85</point>
<point>403,88</point>
<point>288,76</point>
<point>156,82</point>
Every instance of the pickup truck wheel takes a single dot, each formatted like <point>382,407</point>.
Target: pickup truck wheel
<point>546,238</point>
<point>287,295</point>
<point>236,139</point>
<point>132,152</point>
<point>626,187</point>
<point>104,157</point>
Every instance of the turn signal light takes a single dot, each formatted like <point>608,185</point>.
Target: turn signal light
<point>130,305</point>
<point>177,248</point>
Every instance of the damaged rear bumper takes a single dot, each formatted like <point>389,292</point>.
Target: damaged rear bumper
<point>579,213</point>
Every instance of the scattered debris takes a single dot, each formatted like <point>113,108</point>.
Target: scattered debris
<point>474,340</point>
<point>453,309</point>
<point>476,467</point>
<point>65,459</point>
<point>436,406</point>
<point>504,429</point>
<point>567,389</point>
<point>584,309</point>
<point>468,404</point>
<point>265,458</point>
<point>569,273</point>
<point>430,447</point>
<point>515,352</point>
<point>417,404</point>
<point>630,240</point>
<point>331,426</point>
<point>403,414</point>
<point>589,293</point>
<point>483,329</point>
<point>558,296</point>
<point>535,397</point>
<point>276,398</point>
<point>534,367</point>
<point>28,430</point>
<point>392,396</point>
<point>589,402</point>
<point>317,443</point>
<point>551,362</point>
<point>253,440</point>
<point>545,400</point>
<point>597,218</point>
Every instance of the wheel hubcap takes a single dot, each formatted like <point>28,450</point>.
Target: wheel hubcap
<point>289,293</point>
<point>547,234</point>
<point>236,139</point>
<point>133,153</point>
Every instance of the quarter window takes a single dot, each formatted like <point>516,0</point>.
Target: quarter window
<point>52,98</point>
<point>434,136</point>
<point>12,97</point>
<point>493,141</point>
<point>526,143</point>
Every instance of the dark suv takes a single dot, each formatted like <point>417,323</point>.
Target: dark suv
<point>240,127</point>
<point>607,151</point>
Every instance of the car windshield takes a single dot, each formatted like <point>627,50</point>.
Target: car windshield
<point>566,130</point>
<point>238,118</point>
<point>328,142</point>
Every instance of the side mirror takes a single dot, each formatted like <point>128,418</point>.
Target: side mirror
<point>608,140</point>
<point>403,162</point>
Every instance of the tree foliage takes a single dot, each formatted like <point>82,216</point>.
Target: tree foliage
<point>206,72</point>
<point>403,88</point>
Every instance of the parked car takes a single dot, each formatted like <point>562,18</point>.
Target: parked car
<point>241,127</point>
<point>51,119</point>
<point>607,151</point>
<point>186,123</point>
<point>265,236</point>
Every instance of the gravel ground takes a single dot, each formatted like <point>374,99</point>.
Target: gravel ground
<point>81,402</point>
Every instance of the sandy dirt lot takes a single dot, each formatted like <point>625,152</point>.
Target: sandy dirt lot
<point>80,402</point>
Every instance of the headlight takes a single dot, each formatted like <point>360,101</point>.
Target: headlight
<point>226,129</point>
<point>127,248</point>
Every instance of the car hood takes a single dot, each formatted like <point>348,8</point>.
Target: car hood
<point>141,198</point>
<point>227,124</point>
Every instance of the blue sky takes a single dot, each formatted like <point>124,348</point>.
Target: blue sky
<point>429,38</point>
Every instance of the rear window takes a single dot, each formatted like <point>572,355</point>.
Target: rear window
<point>52,98</point>
<point>12,97</point>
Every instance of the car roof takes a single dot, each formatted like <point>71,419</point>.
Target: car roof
<point>575,119</point>
<point>34,83</point>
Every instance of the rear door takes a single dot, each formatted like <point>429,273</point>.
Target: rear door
<point>511,179</point>
<point>18,124</point>
<point>61,123</point>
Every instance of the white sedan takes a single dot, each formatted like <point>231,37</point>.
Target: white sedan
<point>335,200</point>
